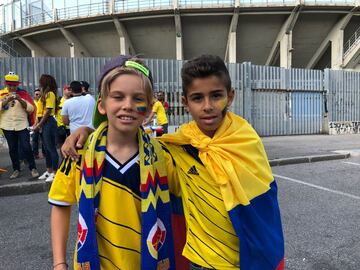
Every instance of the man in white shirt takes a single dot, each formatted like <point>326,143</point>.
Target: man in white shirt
<point>77,111</point>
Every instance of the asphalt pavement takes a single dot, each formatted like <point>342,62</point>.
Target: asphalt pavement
<point>281,150</point>
<point>319,204</point>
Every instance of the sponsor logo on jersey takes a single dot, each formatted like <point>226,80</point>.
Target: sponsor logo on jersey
<point>193,170</point>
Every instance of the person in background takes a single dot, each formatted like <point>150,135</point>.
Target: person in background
<point>161,118</point>
<point>36,136</point>
<point>161,97</point>
<point>63,130</point>
<point>85,88</point>
<point>78,110</point>
<point>16,105</point>
<point>48,125</point>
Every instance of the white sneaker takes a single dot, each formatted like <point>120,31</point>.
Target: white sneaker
<point>44,176</point>
<point>50,178</point>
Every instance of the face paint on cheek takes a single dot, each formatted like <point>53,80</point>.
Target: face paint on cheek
<point>141,108</point>
<point>223,104</point>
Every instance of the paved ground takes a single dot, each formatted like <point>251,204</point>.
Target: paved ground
<point>290,146</point>
<point>320,210</point>
<point>319,205</point>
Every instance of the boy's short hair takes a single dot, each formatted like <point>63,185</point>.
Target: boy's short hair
<point>110,76</point>
<point>75,87</point>
<point>202,67</point>
<point>120,65</point>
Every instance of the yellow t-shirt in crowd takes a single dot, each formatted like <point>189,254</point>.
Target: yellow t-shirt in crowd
<point>39,108</point>
<point>13,116</point>
<point>50,102</point>
<point>58,115</point>
<point>159,109</point>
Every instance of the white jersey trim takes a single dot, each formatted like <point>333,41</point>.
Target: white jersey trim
<point>59,203</point>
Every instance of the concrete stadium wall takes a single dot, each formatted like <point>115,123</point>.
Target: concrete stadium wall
<point>260,32</point>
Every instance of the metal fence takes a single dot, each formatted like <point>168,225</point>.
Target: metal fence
<point>343,89</point>
<point>276,101</point>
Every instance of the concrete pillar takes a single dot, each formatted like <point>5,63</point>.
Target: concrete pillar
<point>77,49</point>
<point>336,39</point>
<point>337,49</point>
<point>232,47</point>
<point>283,43</point>
<point>286,50</point>
<point>112,6</point>
<point>230,53</point>
<point>126,46</point>
<point>36,50</point>
<point>179,48</point>
<point>179,39</point>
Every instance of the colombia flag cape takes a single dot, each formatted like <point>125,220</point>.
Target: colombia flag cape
<point>236,159</point>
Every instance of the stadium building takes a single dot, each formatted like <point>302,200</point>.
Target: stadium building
<point>313,34</point>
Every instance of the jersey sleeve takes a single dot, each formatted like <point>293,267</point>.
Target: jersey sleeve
<point>173,179</point>
<point>65,186</point>
<point>155,107</point>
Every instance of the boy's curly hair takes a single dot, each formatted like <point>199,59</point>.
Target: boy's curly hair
<point>202,67</point>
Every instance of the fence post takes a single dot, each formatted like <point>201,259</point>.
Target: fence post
<point>327,101</point>
<point>247,98</point>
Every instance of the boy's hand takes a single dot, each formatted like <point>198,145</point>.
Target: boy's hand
<point>75,141</point>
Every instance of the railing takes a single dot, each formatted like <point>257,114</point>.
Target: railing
<point>330,2</point>
<point>7,49</point>
<point>37,18</point>
<point>124,6</point>
<point>206,3</point>
<point>140,5</point>
<point>93,9</point>
<point>352,42</point>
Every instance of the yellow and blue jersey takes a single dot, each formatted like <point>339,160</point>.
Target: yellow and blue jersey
<point>211,240</point>
<point>118,229</point>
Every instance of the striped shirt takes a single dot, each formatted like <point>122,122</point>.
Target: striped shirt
<point>211,241</point>
<point>118,224</point>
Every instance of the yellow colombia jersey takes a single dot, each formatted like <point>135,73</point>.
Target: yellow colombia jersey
<point>39,108</point>
<point>159,109</point>
<point>50,102</point>
<point>211,240</point>
<point>58,115</point>
<point>118,228</point>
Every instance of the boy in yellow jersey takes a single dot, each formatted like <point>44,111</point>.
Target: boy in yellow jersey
<point>119,183</point>
<point>161,118</point>
<point>228,192</point>
<point>63,130</point>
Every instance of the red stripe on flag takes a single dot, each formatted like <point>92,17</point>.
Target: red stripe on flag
<point>281,265</point>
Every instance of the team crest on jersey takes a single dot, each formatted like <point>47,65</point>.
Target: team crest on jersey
<point>82,232</point>
<point>156,238</point>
